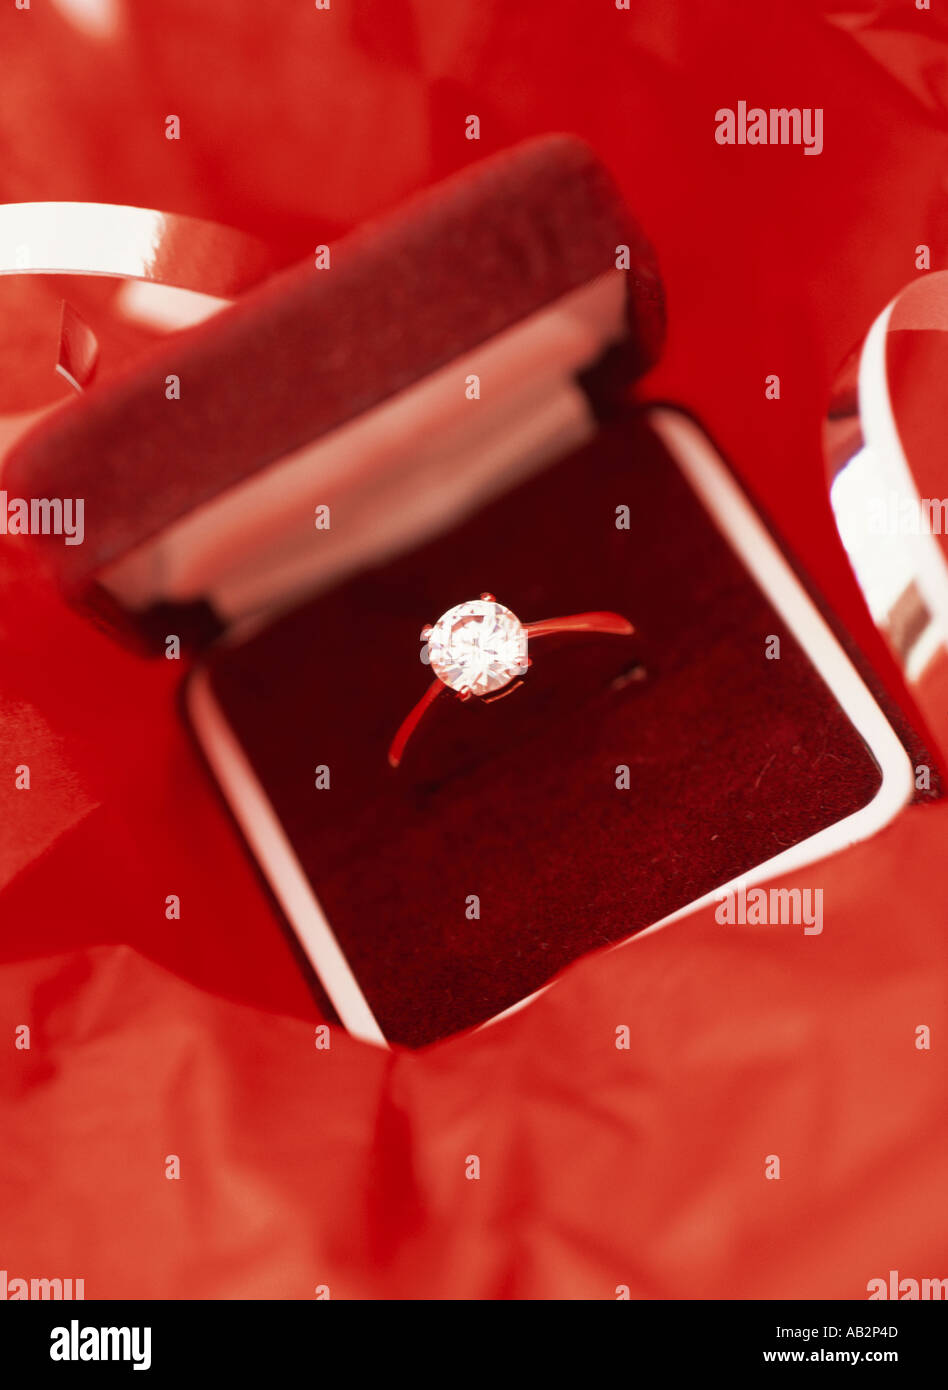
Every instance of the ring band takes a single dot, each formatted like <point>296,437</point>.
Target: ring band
<point>479,649</point>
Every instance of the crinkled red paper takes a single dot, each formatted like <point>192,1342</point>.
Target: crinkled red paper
<point>599,1167</point>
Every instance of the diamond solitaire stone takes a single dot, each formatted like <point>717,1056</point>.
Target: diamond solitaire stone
<point>478,646</point>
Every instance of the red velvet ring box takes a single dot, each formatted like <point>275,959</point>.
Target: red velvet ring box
<point>441,409</point>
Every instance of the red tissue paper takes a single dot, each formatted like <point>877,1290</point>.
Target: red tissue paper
<point>603,1168</point>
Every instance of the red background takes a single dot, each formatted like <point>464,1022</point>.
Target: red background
<point>599,1167</point>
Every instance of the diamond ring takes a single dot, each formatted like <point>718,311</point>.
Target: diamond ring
<point>480,649</point>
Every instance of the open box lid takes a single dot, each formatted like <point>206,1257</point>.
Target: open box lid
<point>352,399</point>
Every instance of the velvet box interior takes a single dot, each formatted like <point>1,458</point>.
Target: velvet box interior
<point>519,804</point>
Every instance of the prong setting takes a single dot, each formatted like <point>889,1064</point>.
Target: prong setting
<point>478,647</point>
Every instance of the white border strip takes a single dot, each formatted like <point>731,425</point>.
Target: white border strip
<point>275,854</point>
<point>753,543</point>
